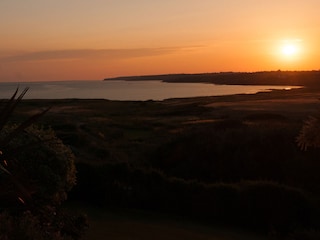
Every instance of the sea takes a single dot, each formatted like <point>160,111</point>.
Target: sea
<point>127,90</point>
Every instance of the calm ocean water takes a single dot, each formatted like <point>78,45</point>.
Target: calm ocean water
<point>126,90</point>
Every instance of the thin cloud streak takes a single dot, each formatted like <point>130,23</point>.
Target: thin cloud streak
<point>71,54</point>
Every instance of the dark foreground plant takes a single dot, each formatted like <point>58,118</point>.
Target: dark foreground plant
<point>36,172</point>
<point>310,133</point>
<point>17,188</point>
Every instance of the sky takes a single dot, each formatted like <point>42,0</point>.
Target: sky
<point>96,39</point>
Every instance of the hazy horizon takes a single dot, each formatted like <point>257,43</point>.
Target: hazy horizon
<point>80,40</point>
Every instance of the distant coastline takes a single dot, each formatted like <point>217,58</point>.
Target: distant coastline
<point>297,78</point>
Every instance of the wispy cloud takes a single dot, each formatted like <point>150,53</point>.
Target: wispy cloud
<point>90,54</point>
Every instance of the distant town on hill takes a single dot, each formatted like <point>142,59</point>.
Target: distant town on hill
<point>297,78</point>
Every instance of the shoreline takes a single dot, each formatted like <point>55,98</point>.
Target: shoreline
<point>299,78</point>
<point>302,101</point>
<point>135,92</point>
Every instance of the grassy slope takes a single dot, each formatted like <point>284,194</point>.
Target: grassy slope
<point>126,131</point>
<point>120,131</point>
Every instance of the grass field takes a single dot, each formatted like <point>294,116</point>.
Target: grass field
<point>162,135</point>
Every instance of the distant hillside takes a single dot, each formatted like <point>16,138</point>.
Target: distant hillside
<point>301,78</point>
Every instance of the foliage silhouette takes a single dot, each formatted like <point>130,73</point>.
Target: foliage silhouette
<point>261,205</point>
<point>36,172</point>
<point>310,133</point>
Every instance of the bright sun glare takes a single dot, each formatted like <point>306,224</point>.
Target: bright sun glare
<point>290,49</point>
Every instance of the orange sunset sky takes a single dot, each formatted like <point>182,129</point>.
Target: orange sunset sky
<point>94,39</point>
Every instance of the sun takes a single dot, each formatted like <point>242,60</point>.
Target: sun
<point>289,50</point>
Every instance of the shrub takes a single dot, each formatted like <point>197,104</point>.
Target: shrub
<point>261,205</point>
<point>310,133</point>
<point>36,172</point>
<point>39,158</point>
<point>26,225</point>
<point>274,206</point>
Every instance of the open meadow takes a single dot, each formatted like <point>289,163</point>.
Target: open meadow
<point>219,163</point>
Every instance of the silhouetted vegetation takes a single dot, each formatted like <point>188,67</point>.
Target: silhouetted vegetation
<point>36,172</point>
<point>263,205</point>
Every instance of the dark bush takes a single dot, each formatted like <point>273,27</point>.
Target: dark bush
<point>38,157</point>
<point>27,225</point>
<point>275,206</point>
<point>36,172</point>
<point>258,204</point>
